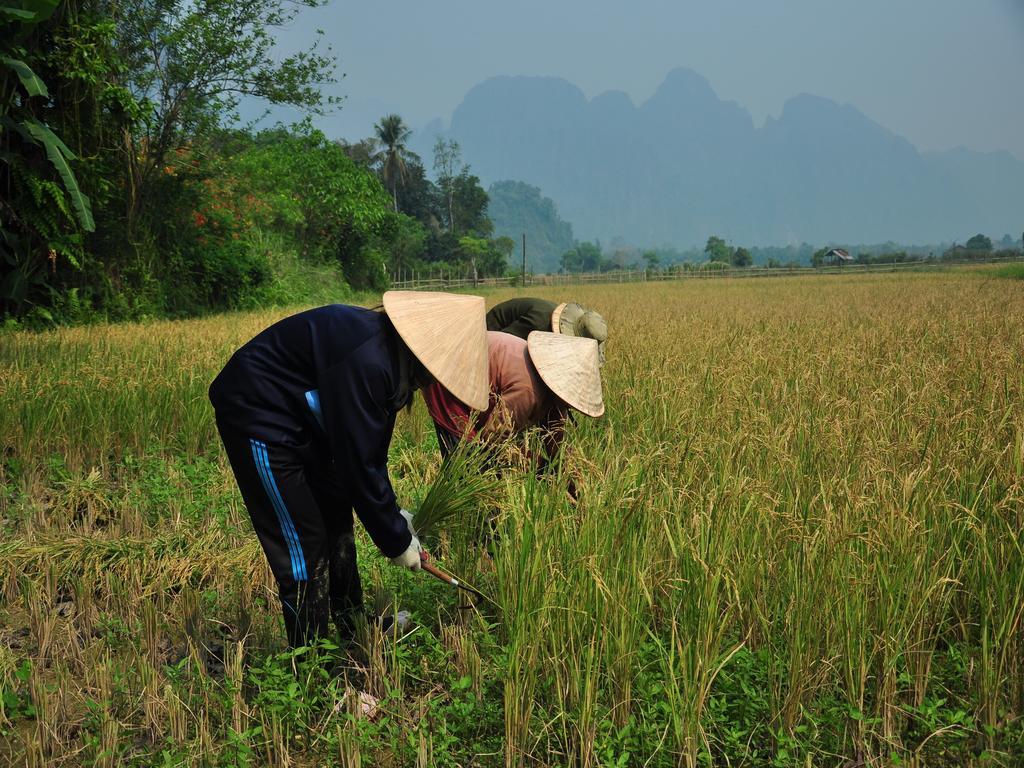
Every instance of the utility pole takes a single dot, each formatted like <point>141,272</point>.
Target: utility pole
<point>524,259</point>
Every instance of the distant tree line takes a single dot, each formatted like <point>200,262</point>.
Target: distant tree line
<point>717,253</point>
<point>980,247</point>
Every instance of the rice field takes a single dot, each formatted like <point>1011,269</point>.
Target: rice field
<point>798,542</point>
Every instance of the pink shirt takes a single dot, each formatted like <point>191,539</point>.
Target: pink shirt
<point>519,399</point>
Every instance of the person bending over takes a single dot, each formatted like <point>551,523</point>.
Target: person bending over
<point>533,383</point>
<point>520,317</point>
<point>306,411</point>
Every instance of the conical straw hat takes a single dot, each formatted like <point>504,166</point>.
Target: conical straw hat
<point>570,367</point>
<point>448,334</point>
<point>576,320</point>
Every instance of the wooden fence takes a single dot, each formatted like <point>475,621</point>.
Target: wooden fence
<point>446,282</point>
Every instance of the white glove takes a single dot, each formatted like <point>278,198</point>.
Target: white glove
<point>411,557</point>
<point>408,520</point>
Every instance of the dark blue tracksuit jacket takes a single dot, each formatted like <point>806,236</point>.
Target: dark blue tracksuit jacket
<point>332,372</point>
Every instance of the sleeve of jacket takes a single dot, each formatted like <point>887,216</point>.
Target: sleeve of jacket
<point>500,316</point>
<point>353,397</point>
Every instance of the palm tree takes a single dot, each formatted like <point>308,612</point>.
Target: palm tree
<point>392,133</point>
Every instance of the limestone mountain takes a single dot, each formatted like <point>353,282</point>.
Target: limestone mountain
<point>686,164</point>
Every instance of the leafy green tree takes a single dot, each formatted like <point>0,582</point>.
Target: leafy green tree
<point>17,111</point>
<point>408,245</point>
<point>583,257</point>
<point>393,157</point>
<point>448,166</point>
<point>652,259</point>
<point>979,243</point>
<point>333,208</point>
<point>505,246</point>
<point>464,206</point>
<point>495,262</point>
<point>361,152</point>
<point>741,258</point>
<point>441,246</point>
<point>818,258</point>
<point>191,63</point>
<point>469,205</point>
<point>481,256</point>
<point>717,250</point>
<point>421,199</point>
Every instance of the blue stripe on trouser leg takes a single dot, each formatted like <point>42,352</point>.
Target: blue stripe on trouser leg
<point>291,537</point>
<point>262,467</point>
<point>285,519</point>
<point>287,524</point>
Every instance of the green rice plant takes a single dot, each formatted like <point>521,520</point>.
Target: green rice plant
<point>524,590</point>
<point>462,493</point>
<point>1010,271</point>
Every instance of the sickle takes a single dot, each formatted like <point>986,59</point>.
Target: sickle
<point>440,575</point>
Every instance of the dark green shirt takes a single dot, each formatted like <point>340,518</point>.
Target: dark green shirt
<point>520,316</point>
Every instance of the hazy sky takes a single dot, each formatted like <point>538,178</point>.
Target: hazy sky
<point>942,73</point>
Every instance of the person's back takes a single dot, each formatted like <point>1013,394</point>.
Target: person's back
<point>519,398</point>
<point>272,382</point>
<point>520,316</point>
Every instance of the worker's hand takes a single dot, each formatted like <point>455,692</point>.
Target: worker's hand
<point>411,557</point>
<point>408,520</point>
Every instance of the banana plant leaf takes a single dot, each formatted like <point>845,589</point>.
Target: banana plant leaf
<point>28,12</point>
<point>16,14</point>
<point>29,79</point>
<point>59,154</point>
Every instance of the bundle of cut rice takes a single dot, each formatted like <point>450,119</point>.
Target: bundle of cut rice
<point>464,491</point>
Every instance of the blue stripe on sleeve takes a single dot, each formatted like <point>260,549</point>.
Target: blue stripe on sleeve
<point>262,460</point>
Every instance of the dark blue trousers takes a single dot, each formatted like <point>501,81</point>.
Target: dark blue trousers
<point>303,518</point>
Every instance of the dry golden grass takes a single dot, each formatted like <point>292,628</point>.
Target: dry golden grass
<point>798,541</point>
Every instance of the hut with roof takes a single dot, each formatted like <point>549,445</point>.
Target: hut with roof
<point>837,257</point>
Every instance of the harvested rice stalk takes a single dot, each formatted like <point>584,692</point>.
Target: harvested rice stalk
<point>465,489</point>
<point>159,562</point>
